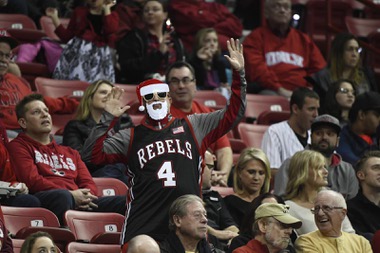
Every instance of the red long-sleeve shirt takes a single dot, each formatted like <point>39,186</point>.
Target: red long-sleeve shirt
<point>47,167</point>
<point>276,62</point>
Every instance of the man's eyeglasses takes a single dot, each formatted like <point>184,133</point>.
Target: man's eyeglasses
<point>6,56</point>
<point>325,209</point>
<point>185,80</point>
<point>346,91</point>
<point>149,97</point>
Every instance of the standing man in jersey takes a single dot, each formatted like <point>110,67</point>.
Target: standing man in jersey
<point>163,154</point>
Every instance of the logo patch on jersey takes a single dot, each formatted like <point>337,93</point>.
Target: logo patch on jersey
<point>178,130</point>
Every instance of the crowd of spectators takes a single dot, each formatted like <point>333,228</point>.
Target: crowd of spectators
<point>171,160</point>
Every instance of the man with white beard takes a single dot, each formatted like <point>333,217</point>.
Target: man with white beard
<point>272,229</point>
<point>163,154</point>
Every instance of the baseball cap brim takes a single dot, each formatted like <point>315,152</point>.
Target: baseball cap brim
<point>316,125</point>
<point>288,220</point>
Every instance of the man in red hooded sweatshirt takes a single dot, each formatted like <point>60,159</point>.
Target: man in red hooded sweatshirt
<point>54,174</point>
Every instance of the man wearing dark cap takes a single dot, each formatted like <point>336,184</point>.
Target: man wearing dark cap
<point>13,89</point>
<point>272,229</point>
<point>359,136</point>
<point>325,138</point>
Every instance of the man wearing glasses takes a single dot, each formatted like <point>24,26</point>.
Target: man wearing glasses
<point>182,84</point>
<point>163,153</point>
<point>329,211</point>
<point>272,229</point>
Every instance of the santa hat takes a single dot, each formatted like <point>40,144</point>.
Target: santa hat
<point>150,86</point>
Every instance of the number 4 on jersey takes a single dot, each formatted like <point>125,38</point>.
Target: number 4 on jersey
<point>166,173</point>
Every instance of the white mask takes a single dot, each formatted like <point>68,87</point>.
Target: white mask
<point>157,114</point>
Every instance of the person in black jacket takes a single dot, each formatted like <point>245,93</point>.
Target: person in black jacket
<point>188,227</point>
<point>88,115</point>
<point>144,54</point>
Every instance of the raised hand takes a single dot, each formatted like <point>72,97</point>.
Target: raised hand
<point>114,102</point>
<point>235,58</point>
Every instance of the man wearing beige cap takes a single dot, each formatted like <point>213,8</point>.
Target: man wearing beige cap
<point>272,229</point>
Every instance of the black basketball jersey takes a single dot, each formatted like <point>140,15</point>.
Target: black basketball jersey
<point>163,165</point>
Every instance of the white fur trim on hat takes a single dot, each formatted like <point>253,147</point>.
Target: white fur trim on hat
<point>151,88</point>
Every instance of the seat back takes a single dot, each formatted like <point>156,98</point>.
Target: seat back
<point>76,247</point>
<point>272,117</point>
<point>223,191</point>
<point>48,27</point>
<point>17,21</point>
<point>87,225</point>
<point>210,98</point>
<point>316,23</point>
<point>252,134</point>
<point>361,27</point>
<point>17,243</point>
<point>60,121</point>
<point>59,88</point>
<point>16,218</point>
<point>110,186</point>
<point>256,104</point>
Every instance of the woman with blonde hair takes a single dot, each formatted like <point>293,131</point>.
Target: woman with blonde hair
<point>251,178</point>
<point>88,115</point>
<point>307,176</point>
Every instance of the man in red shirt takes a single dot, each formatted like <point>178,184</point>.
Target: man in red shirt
<point>182,84</point>
<point>55,174</point>
<point>277,56</point>
<point>13,88</point>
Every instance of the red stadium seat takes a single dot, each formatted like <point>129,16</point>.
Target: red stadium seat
<point>272,117</point>
<point>16,21</point>
<point>256,104</point>
<point>31,70</point>
<point>17,243</point>
<point>76,247</point>
<point>110,186</point>
<point>95,227</point>
<point>252,134</point>
<point>237,145</point>
<point>316,22</point>
<point>210,98</point>
<point>362,27</point>
<point>223,191</point>
<point>23,221</point>
<point>59,122</point>
<point>59,88</point>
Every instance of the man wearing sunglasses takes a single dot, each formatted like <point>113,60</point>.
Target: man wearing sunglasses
<point>163,154</point>
<point>329,211</point>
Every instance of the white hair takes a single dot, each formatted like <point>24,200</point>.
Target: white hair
<point>337,197</point>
